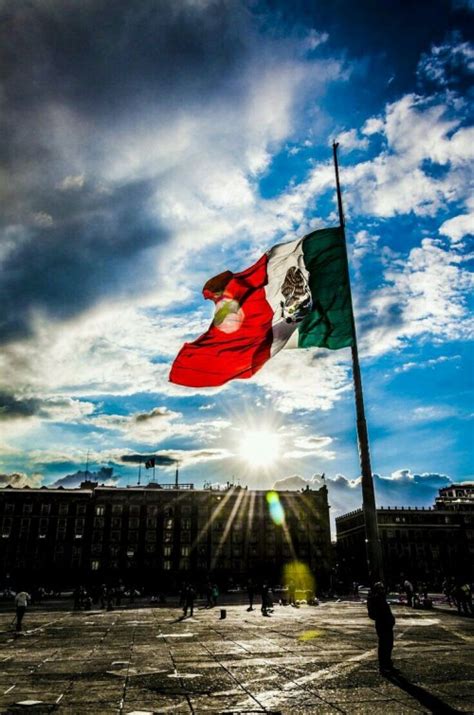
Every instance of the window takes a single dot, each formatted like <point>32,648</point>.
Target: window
<point>151,522</point>
<point>9,508</point>
<point>133,523</point>
<point>114,550</point>
<point>100,510</point>
<point>116,522</point>
<point>167,550</point>
<point>115,536</point>
<point>45,509</point>
<point>150,536</point>
<point>96,548</point>
<point>185,550</point>
<point>43,527</point>
<point>24,526</point>
<point>186,537</point>
<point>152,510</point>
<point>99,522</point>
<point>80,509</point>
<point>186,523</point>
<point>184,564</point>
<point>168,537</point>
<point>167,565</point>
<point>168,524</point>
<point>6,527</point>
<point>134,510</point>
<point>79,528</point>
<point>27,508</point>
<point>63,509</point>
<point>185,511</point>
<point>95,565</point>
<point>96,537</point>
<point>132,537</point>
<point>117,509</point>
<point>150,548</point>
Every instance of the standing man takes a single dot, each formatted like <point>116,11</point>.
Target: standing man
<point>380,612</point>
<point>250,593</point>
<point>21,603</point>
<point>408,588</point>
<point>189,596</point>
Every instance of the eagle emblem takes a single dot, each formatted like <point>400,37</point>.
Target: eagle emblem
<point>297,301</point>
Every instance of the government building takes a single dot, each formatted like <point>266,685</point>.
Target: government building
<point>159,535</point>
<point>423,544</point>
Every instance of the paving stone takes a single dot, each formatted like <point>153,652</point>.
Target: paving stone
<point>298,661</point>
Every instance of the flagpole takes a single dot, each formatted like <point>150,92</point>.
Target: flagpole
<point>139,471</point>
<point>374,549</point>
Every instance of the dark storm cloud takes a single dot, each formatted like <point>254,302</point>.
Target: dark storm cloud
<point>12,407</point>
<point>18,480</point>
<point>65,268</point>
<point>78,80</point>
<point>161,460</point>
<point>71,481</point>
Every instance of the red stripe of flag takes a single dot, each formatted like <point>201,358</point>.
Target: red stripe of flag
<point>217,356</point>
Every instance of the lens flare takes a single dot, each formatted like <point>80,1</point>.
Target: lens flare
<point>277,512</point>
<point>300,575</point>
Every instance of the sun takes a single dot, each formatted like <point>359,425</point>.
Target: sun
<point>259,448</point>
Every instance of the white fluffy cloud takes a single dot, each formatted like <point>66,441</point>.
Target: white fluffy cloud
<point>425,295</point>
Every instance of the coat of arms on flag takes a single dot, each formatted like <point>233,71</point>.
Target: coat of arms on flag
<point>298,286</point>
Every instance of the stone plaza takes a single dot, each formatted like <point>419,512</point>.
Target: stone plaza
<point>313,659</point>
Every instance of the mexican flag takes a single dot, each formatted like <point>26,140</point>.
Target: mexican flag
<point>300,286</point>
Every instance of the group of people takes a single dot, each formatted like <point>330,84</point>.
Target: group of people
<point>459,594</point>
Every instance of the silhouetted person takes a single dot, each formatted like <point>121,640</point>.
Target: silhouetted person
<point>265,599</point>
<point>291,593</point>
<point>380,612</point>
<point>209,597</point>
<point>408,588</point>
<point>250,593</point>
<point>189,596</point>
<point>21,603</point>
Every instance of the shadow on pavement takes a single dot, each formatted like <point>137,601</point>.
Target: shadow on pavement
<point>431,702</point>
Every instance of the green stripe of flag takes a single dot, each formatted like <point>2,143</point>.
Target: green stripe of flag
<point>330,323</point>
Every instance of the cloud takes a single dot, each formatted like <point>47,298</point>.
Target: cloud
<point>401,488</point>
<point>304,379</point>
<point>423,364</point>
<point>457,227</point>
<point>307,446</point>
<point>181,457</point>
<point>350,141</point>
<point>157,425</point>
<point>447,65</point>
<point>103,476</point>
<point>19,480</point>
<point>61,409</point>
<point>163,158</point>
<point>425,295</point>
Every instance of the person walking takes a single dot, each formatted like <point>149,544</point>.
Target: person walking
<point>380,612</point>
<point>21,603</point>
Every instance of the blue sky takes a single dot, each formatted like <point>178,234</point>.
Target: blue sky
<point>149,146</point>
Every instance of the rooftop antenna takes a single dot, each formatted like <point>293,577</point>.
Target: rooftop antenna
<point>87,465</point>
<point>139,471</point>
<point>176,478</point>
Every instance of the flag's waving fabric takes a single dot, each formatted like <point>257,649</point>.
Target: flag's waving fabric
<point>302,285</point>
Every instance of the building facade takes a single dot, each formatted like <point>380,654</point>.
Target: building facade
<point>423,544</point>
<point>158,536</point>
